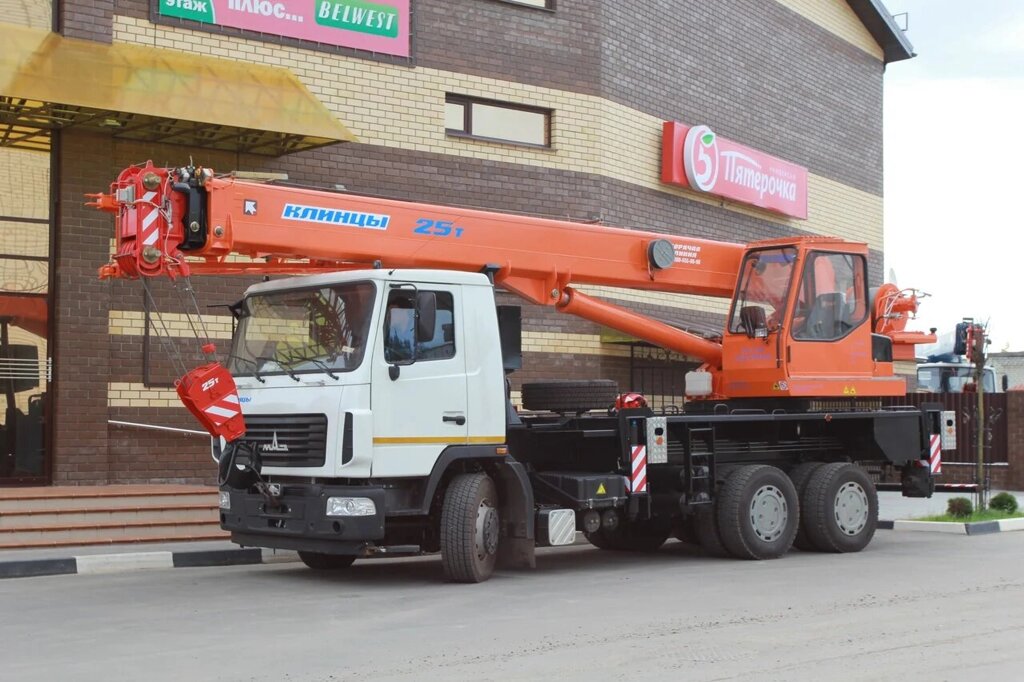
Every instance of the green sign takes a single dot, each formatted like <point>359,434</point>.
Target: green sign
<point>196,10</point>
<point>358,15</point>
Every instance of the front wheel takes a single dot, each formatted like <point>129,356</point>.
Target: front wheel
<point>841,512</point>
<point>470,529</point>
<point>326,562</point>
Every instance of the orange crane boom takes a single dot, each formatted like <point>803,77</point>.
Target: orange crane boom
<point>536,258</point>
<point>789,334</point>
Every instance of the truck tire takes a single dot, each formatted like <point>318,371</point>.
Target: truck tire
<point>758,512</point>
<point>841,513</point>
<point>326,562</point>
<point>801,475</point>
<point>705,524</point>
<point>470,528</point>
<point>570,396</point>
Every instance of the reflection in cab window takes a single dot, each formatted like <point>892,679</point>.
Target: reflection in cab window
<point>764,283</point>
<point>833,297</point>
<point>400,344</point>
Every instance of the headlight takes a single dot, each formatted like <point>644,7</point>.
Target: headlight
<point>351,506</point>
<point>225,500</point>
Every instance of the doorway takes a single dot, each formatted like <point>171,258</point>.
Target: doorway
<point>24,316</point>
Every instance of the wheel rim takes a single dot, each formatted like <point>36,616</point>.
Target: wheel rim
<point>851,508</point>
<point>486,536</point>
<point>769,513</point>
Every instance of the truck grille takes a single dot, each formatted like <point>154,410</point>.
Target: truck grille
<point>288,440</point>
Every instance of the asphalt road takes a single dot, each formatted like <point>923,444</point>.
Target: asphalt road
<point>913,606</point>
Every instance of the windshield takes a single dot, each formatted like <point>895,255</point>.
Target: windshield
<point>307,330</point>
<point>764,282</point>
<point>953,379</point>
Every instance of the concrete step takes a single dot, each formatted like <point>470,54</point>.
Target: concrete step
<point>49,542</point>
<point>103,497</point>
<point>150,511</point>
<point>54,534</point>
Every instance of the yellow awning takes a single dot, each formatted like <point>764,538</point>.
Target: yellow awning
<point>135,92</point>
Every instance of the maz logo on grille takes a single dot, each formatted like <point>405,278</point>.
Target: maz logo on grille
<point>274,446</point>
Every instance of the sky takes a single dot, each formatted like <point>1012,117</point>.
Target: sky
<point>954,164</point>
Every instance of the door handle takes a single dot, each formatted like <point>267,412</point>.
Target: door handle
<point>458,420</point>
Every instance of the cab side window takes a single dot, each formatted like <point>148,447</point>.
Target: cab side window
<point>832,298</point>
<point>400,343</point>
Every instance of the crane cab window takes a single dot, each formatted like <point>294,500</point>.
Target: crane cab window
<point>833,297</point>
<point>400,342</point>
<point>764,283</point>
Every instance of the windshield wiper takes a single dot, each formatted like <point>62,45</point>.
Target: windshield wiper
<point>255,366</point>
<point>322,365</point>
<point>293,361</point>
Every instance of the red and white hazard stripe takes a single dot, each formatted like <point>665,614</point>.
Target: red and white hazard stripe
<point>151,213</point>
<point>224,409</point>
<point>638,477</point>
<point>935,454</point>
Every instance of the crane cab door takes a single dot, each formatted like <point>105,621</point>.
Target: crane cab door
<point>418,395</point>
<point>829,336</point>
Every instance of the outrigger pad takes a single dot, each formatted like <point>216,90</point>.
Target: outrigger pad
<point>210,394</point>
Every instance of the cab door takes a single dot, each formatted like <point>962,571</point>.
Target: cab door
<point>418,395</point>
<point>830,336</point>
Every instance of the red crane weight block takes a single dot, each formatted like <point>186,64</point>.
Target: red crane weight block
<point>210,394</point>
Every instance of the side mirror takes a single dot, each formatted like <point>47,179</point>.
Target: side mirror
<point>1006,383</point>
<point>754,321</point>
<point>426,315</point>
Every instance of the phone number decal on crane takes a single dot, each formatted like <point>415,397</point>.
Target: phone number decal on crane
<point>335,216</point>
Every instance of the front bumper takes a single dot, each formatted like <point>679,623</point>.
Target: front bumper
<point>296,519</point>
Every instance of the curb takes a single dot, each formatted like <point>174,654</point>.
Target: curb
<point>976,528</point>
<point>135,561</point>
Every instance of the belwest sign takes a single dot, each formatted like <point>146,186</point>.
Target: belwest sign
<point>697,158</point>
<point>372,26</point>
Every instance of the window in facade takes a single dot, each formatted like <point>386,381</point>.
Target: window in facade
<point>499,121</point>
<point>543,4</point>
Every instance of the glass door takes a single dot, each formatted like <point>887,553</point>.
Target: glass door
<point>24,311</point>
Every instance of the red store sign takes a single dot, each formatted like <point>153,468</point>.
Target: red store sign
<point>697,158</point>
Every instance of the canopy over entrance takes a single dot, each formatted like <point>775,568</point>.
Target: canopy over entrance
<point>133,92</point>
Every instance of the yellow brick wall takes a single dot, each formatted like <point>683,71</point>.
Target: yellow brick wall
<point>837,17</point>
<point>125,394</point>
<point>402,107</point>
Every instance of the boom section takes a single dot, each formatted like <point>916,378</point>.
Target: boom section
<point>164,215</point>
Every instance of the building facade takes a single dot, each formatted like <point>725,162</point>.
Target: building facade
<point>551,108</point>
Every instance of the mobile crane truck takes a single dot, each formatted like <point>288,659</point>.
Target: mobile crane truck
<point>364,408</point>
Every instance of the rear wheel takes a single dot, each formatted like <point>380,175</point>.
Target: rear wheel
<point>758,512</point>
<point>841,513</point>
<point>801,475</point>
<point>469,529</point>
<point>705,526</point>
<point>326,562</point>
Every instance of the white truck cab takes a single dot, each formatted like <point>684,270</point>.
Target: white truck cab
<point>369,373</point>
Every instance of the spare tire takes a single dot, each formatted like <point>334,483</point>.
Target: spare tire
<point>570,396</point>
